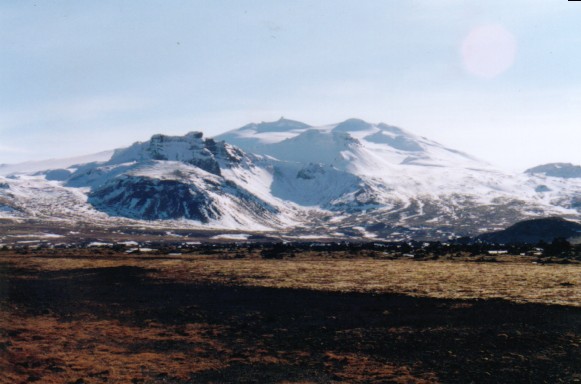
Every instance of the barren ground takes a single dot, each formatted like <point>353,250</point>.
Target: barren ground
<point>101,317</point>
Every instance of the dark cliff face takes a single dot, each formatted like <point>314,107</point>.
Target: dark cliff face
<point>562,170</point>
<point>533,231</point>
<point>199,199</point>
<point>153,199</point>
<point>58,174</point>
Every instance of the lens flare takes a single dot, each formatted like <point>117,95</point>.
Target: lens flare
<point>488,51</point>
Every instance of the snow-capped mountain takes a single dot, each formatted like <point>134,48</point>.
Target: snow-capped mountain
<point>409,181</point>
<point>564,170</point>
<point>182,178</point>
<point>351,179</point>
<point>353,145</point>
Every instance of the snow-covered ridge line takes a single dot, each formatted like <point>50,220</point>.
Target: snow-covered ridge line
<point>43,165</point>
<point>354,178</point>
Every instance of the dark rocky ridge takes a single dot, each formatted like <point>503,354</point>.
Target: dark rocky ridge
<point>534,231</point>
<point>153,199</point>
<point>192,148</point>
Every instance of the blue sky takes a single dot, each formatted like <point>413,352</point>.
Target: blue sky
<point>82,76</point>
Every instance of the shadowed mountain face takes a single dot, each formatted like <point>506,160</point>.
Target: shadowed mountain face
<point>562,170</point>
<point>533,231</point>
<point>153,199</point>
<point>146,198</point>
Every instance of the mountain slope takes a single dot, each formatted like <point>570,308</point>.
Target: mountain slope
<point>402,180</point>
<point>179,177</point>
<point>348,180</point>
<point>43,165</point>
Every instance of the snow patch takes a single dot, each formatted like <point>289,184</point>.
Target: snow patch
<point>231,236</point>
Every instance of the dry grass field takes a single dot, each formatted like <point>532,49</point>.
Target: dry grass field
<point>102,317</point>
<point>515,281</point>
<point>518,279</point>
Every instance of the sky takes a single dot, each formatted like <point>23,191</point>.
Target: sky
<point>499,80</point>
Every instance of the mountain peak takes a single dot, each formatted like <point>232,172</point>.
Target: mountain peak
<point>192,148</point>
<point>378,146</point>
<point>352,125</point>
<point>280,125</point>
<point>192,136</point>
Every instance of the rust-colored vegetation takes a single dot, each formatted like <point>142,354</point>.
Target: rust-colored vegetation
<point>103,317</point>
